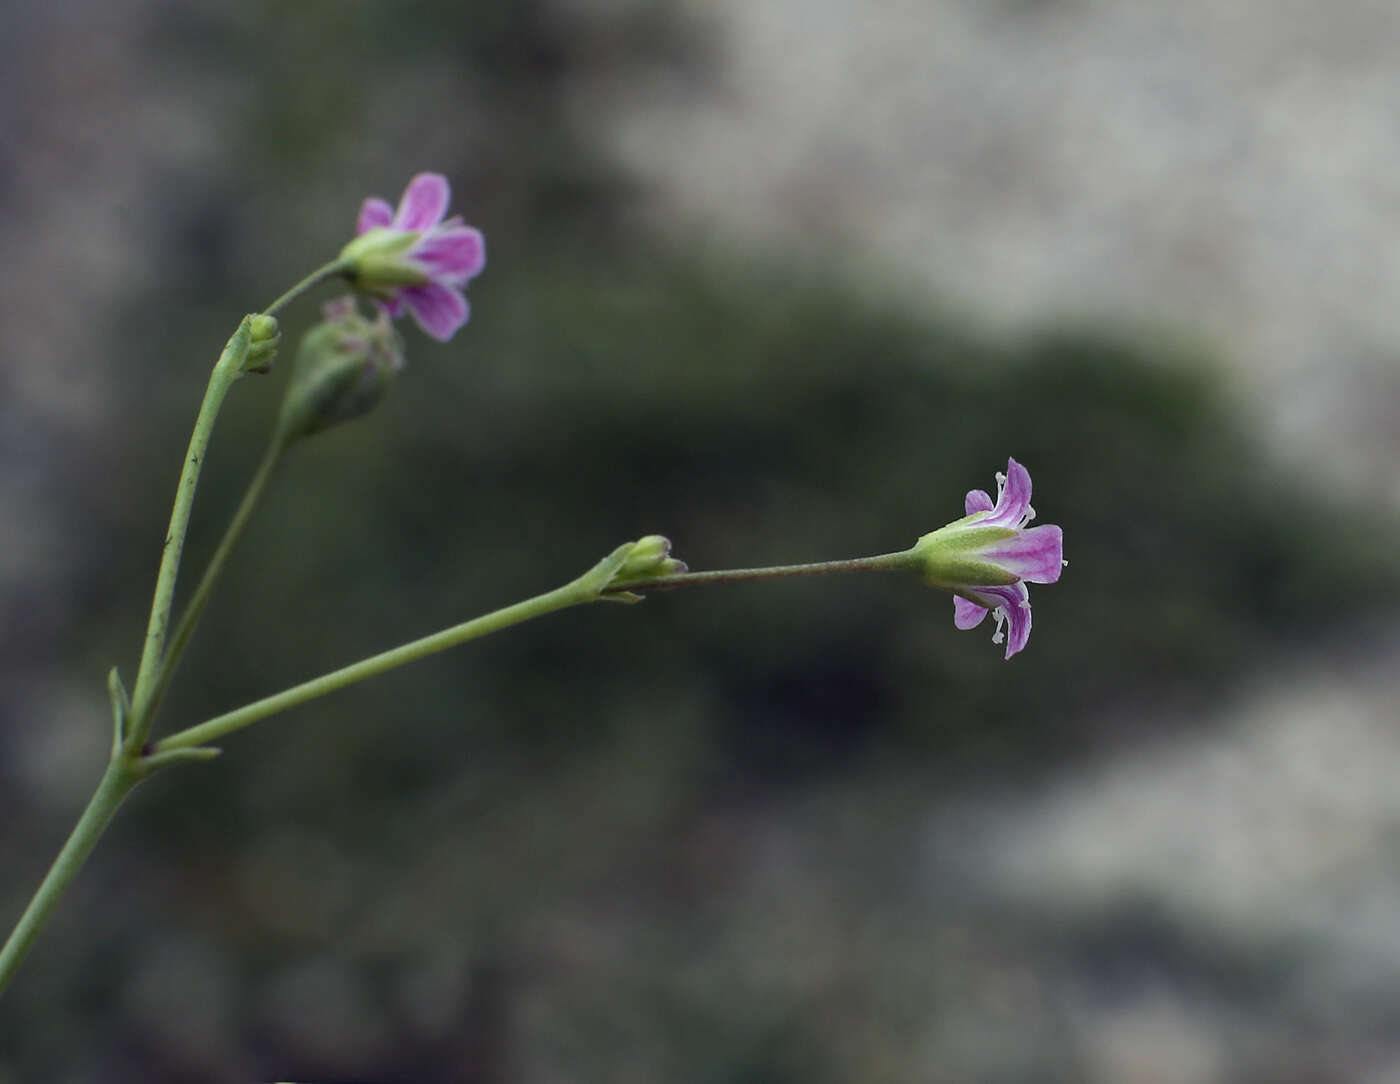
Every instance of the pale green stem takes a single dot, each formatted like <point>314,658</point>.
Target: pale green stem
<point>126,770</point>
<point>226,371</point>
<point>320,275</point>
<point>570,595</point>
<point>117,782</point>
<point>127,767</point>
<point>903,561</point>
<point>153,674</point>
<point>190,618</point>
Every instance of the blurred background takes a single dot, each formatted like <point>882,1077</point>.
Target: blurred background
<point>782,281</point>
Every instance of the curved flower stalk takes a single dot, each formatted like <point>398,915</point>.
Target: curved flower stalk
<point>413,259</point>
<point>987,558</point>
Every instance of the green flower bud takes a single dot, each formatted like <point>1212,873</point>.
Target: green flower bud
<point>650,557</point>
<point>342,370</point>
<point>263,337</point>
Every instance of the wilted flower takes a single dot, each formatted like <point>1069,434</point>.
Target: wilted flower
<point>411,258</point>
<point>987,558</point>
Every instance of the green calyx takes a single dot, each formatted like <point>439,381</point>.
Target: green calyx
<point>650,557</point>
<point>951,557</point>
<point>637,562</point>
<point>375,261</point>
<point>343,368</point>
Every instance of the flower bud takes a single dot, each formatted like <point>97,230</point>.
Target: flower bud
<point>344,367</point>
<point>263,337</point>
<point>636,564</point>
<point>650,557</point>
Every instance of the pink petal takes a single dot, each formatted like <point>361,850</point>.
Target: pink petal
<point>967,615</point>
<point>424,202</point>
<point>1013,605</point>
<point>440,310</point>
<point>1018,627</point>
<point>373,212</point>
<point>1014,500</point>
<point>1035,554</point>
<point>452,256</point>
<point>977,501</point>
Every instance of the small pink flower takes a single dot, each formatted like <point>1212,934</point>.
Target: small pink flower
<point>987,558</point>
<point>412,259</point>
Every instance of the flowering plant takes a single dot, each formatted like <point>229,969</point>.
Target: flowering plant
<point>415,260</point>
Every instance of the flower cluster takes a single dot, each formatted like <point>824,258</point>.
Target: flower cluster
<point>987,558</point>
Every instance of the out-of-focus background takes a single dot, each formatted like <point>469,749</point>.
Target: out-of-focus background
<point>781,280</point>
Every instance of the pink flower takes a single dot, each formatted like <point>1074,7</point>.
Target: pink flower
<point>987,558</point>
<point>412,259</point>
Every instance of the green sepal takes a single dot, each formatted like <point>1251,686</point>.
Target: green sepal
<point>151,763</point>
<point>234,356</point>
<point>628,597</point>
<point>374,261</point>
<point>600,577</point>
<point>121,709</point>
<point>633,563</point>
<point>951,556</point>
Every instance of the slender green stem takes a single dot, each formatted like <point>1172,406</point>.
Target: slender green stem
<point>570,595</point>
<point>195,607</point>
<point>320,275</point>
<point>226,371</point>
<point>132,722</point>
<point>126,769</point>
<point>117,782</point>
<point>154,672</point>
<point>585,589</point>
<point>885,562</point>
